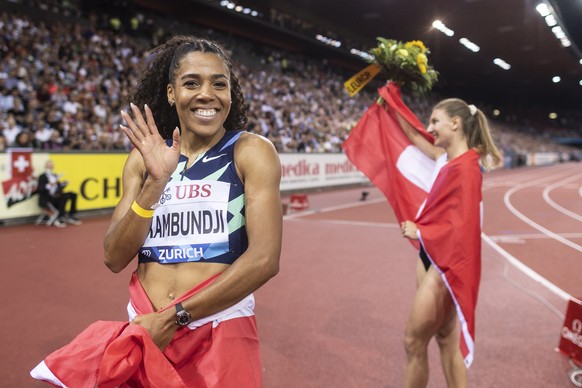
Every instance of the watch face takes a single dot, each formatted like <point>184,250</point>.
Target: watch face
<point>183,318</point>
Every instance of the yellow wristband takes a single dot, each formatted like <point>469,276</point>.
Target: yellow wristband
<point>140,211</point>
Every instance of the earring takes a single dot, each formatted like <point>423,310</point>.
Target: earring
<point>171,103</point>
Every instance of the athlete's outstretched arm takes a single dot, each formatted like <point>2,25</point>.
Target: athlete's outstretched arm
<point>128,230</point>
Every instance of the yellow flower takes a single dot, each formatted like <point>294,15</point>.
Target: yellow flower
<point>402,52</point>
<point>422,61</point>
<point>416,43</point>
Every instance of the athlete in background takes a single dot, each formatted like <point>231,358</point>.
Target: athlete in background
<point>449,229</point>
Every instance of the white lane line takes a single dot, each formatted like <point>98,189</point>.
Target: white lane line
<point>333,208</point>
<point>519,177</point>
<point>532,236</point>
<point>553,204</point>
<point>516,176</point>
<point>508,239</point>
<point>527,270</point>
<point>353,223</point>
<point>535,225</point>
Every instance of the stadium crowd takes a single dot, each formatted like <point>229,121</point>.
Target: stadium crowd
<point>64,81</point>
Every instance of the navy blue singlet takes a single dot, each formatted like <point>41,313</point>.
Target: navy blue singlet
<point>200,216</point>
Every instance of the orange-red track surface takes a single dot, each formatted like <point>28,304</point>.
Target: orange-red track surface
<point>335,314</point>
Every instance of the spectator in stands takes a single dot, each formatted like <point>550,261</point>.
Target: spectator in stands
<point>3,143</point>
<point>23,140</point>
<point>42,133</point>
<point>96,68</point>
<point>55,143</point>
<point>74,139</point>
<point>11,128</point>
<point>52,190</point>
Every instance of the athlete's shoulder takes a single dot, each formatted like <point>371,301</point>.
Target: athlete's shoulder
<point>253,139</point>
<point>253,149</point>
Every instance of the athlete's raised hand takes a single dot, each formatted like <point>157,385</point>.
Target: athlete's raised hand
<point>159,159</point>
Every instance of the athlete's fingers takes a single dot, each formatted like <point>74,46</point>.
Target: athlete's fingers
<point>131,127</point>
<point>139,120</point>
<point>151,123</point>
<point>176,139</point>
<point>129,133</point>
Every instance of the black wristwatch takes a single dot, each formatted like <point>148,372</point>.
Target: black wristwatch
<point>183,317</point>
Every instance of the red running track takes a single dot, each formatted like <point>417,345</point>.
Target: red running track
<point>334,316</point>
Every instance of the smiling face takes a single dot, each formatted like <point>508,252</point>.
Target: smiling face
<point>201,94</point>
<point>443,127</point>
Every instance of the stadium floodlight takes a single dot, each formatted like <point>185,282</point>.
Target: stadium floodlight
<point>543,9</point>
<point>470,45</point>
<point>328,41</point>
<point>501,63</point>
<point>442,28</point>
<point>551,20</point>
<point>557,30</point>
<point>565,42</point>
<point>362,54</point>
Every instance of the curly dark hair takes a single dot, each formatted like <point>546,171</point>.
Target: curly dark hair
<point>161,70</point>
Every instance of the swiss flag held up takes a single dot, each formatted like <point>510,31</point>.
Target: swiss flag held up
<point>380,149</point>
<point>21,184</point>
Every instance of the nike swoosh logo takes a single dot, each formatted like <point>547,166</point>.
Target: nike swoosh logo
<point>208,159</point>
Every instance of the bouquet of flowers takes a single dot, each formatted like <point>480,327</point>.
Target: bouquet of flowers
<point>405,64</point>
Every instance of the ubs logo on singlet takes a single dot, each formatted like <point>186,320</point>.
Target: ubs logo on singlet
<point>191,215</point>
<point>193,191</point>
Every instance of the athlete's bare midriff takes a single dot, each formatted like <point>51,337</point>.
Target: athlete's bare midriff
<point>165,282</point>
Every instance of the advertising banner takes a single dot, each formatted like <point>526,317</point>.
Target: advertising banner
<point>96,177</point>
<point>308,171</point>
